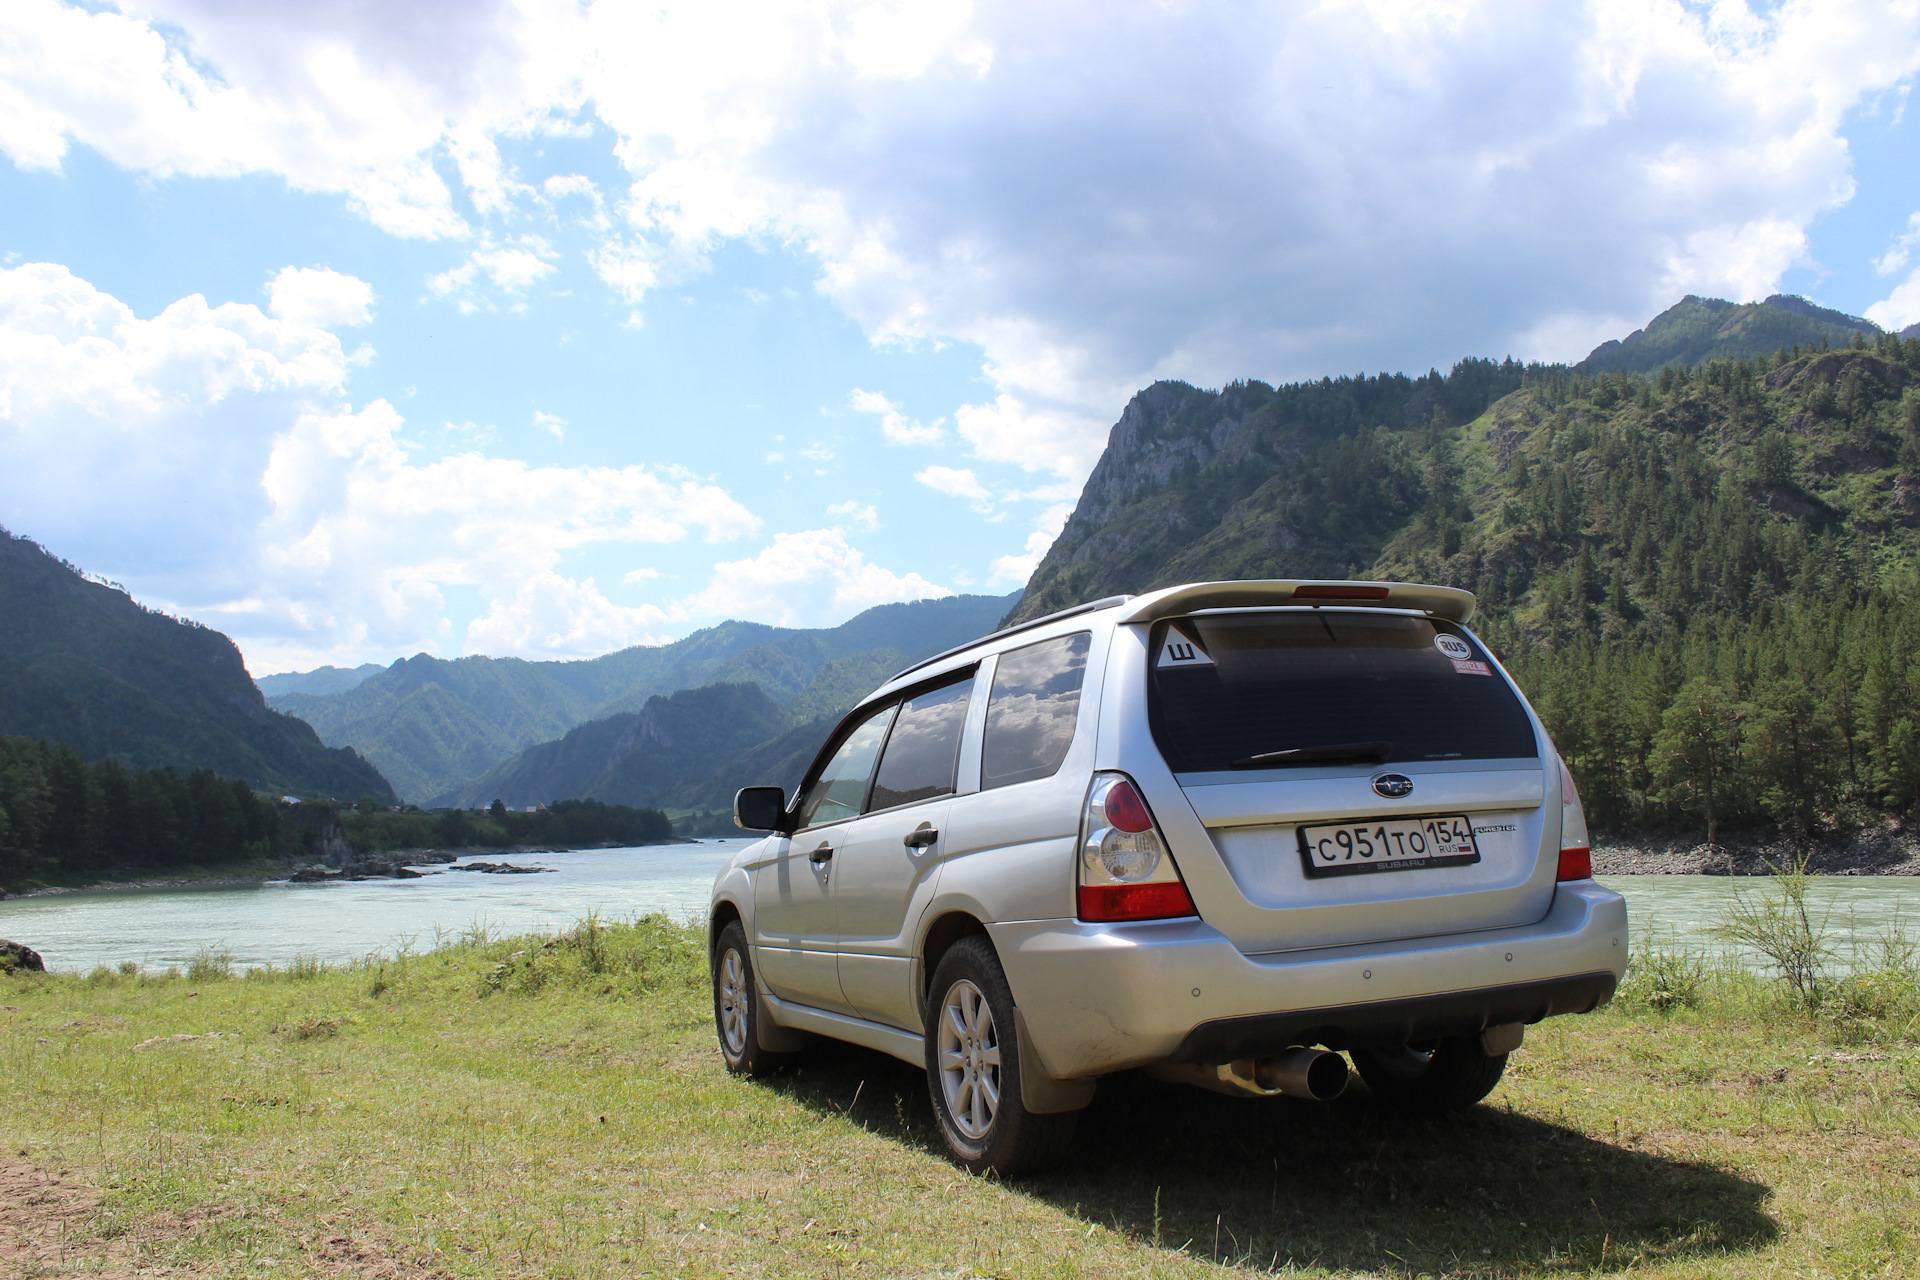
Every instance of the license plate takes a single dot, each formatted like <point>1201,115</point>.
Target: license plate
<point>1389,844</point>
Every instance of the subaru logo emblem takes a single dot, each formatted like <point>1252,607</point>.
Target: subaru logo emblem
<point>1394,786</point>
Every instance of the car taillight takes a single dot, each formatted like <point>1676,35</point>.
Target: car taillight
<point>1125,870</point>
<point>1576,854</point>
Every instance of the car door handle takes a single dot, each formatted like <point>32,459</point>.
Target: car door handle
<point>920,838</point>
<point>823,854</point>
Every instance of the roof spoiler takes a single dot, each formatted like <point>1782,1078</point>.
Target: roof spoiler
<point>1450,603</point>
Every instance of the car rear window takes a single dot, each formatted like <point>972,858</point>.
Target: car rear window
<point>1228,687</point>
<point>1032,710</point>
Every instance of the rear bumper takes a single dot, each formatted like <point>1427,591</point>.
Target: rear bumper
<point>1099,998</point>
<point>1389,1022</point>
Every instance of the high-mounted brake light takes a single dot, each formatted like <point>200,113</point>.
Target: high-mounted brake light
<point>1576,853</point>
<point>1337,591</point>
<point>1126,872</point>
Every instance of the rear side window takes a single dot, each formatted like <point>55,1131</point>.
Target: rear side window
<point>923,751</point>
<point>841,789</point>
<point>1032,710</point>
<point>1226,688</point>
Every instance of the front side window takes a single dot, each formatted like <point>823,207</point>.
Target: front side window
<point>923,751</point>
<point>1269,689</point>
<point>841,789</point>
<point>1032,710</point>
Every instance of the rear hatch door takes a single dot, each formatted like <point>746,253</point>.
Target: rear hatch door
<point>1338,760</point>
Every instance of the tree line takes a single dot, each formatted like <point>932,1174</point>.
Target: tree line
<point>564,822</point>
<point>67,819</point>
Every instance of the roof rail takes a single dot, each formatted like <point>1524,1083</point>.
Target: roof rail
<point>1091,606</point>
<point>1450,603</point>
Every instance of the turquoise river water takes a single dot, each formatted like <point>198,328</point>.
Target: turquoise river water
<point>275,923</point>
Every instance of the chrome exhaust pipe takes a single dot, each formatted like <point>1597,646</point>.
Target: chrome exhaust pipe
<point>1303,1073</point>
<point>1315,1074</point>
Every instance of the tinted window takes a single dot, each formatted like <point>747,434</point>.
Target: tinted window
<point>1031,713</point>
<point>841,789</point>
<point>1230,686</point>
<point>923,751</point>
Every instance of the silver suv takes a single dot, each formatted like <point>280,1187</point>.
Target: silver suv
<point>1222,832</point>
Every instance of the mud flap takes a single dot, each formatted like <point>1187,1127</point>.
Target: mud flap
<point>1040,1093</point>
<point>1495,1041</point>
<point>773,1037</point>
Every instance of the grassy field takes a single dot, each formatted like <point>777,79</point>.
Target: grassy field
<point>556,1108</point>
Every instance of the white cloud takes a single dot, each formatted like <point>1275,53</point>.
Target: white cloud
<point>320,298</point>
<point>513,269</point>
<point>1244,190</point>
<point>1014,571</point>
<point>551,423</point>
<point>957,482</point>
<point>894,425</point>
<point>1901,249</point>
<point>209,458</point>
<point>1900,308</point>
<point>807,579</point>
<point>855,513</point>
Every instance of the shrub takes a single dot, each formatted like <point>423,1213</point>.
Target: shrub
<point>1779,925</point>
<point>210,964</point>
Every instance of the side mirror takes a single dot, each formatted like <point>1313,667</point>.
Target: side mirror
<point>760,809</point>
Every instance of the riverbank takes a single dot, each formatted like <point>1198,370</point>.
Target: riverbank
<point>381,865</point>
<point>510,1107</point>
<point>1883,849</point>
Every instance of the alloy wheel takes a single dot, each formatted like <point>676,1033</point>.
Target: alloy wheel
<point>969,1060</point>
<point>733,1002</point>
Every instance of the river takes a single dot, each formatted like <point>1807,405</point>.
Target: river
<point>276,923</point>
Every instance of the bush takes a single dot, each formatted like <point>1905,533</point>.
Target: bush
<point>1780,926</point>
<point>652,953</point>
<point>210,964</point>
<point>1664,977</point>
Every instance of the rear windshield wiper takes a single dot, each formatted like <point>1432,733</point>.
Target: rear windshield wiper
<point>1334,753</point>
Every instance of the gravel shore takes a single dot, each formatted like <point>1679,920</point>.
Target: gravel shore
<point>1892,849</point>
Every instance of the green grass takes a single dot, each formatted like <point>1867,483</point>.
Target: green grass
<point>555,1107</point>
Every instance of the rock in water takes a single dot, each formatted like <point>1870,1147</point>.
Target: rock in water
<point>20,956</point>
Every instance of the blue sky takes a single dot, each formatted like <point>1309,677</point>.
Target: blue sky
<point>540,328</point>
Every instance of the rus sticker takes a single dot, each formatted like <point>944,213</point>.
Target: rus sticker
<point>1453,646</point>
<point>1179,650</point>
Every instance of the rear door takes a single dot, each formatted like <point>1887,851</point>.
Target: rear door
<point>889,858</point>
<point>794,919</point>
<point>1337,760</point>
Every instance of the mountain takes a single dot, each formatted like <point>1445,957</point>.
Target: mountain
<point>1697,329</point>
<point>1707,578</point>
<point>1309,480</point>
<point>633,758</point>
<point>82,664</point>
<point>320,680</point>
<point>434,726</point>
<point>689,752</point>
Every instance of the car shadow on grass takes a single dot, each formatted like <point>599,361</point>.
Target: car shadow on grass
<point>1346,1185</point>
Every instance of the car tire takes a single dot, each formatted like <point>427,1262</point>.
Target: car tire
<point>973,1070</point>
<point>736,1007</point>
<point>1440,1075</point>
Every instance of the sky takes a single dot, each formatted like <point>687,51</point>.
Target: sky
<point>543,328</point>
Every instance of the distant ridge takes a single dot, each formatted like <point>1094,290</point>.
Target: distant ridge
<point>320,680</point>
<point>1696,329</point>
<point>435,726</point>
<point>82,664</point>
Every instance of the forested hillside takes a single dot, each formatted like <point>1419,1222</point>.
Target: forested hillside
<point>436,726</point>
<point>1697,329</point>
<point>82,664</point>
<point>1708,578</point>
